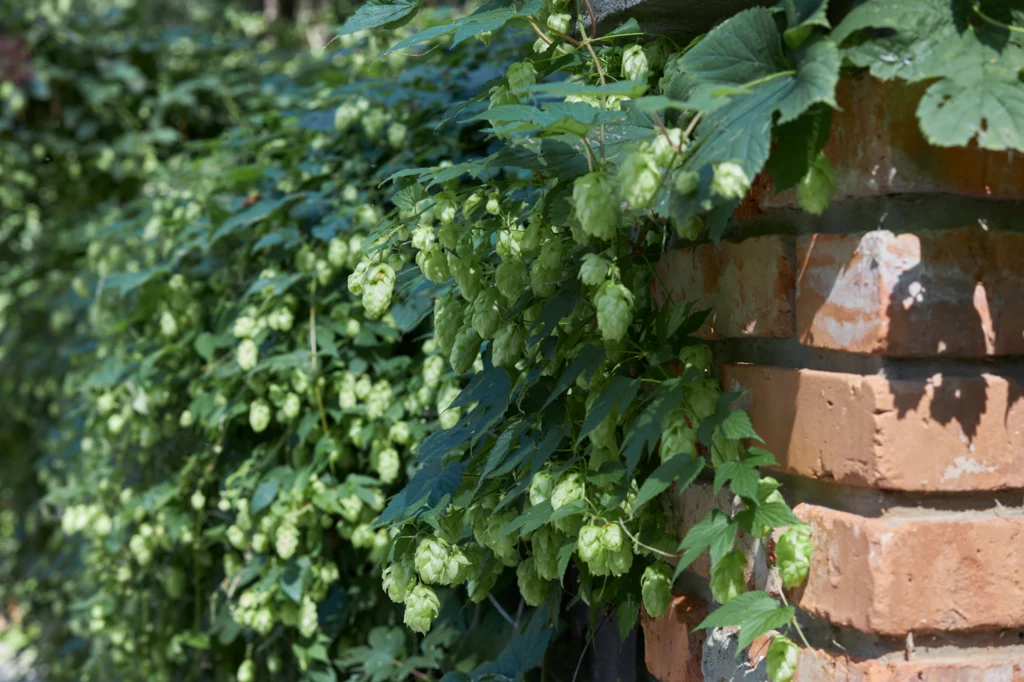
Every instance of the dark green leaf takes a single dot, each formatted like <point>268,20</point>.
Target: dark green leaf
<point>685,467</point>
<point>754,612</point>
<point>378,13</point>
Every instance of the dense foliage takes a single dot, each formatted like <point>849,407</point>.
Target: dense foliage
<point>302,355</point>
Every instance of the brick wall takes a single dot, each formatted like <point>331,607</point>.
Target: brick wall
<point>881,347</point>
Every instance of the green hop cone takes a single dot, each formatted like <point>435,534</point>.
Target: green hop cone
<point>259,415</point>
<point>486,313</point>
<point>508,345</point>
<point>656,588</point>
<point>389,464</point>
<point>447,322</point>
<point>357,278</point>
<point>512,278</point>
<point>614,303</point>
<point>502,544</point>
<point>421,607</point>
<point>546,543</point>
<point>433,264</point>
<point>543,281</point>
<point>730,181</point>
<point>697,355</point>
<point>596,202</point>
<point>448,235</point>
<point>466,272</point>
<point>639,177</point>
<point>398,580</point>
<point>591,549</point>
<point>520,75</point>
<point>793,555</point>
<point>666,145</point>
<point>541,487</point>
<point>727,577</point>
<point>618,549</point>
<point>286,540</point>
<point>445,209</point>
<point>677,437</point>
<point>593,270</point>
<point>246,671</point>
<point>634,63</point>
<point>783,655</point>
<point>439,563</point>
<point>379,284</point>
<point>247,354</point>
<point>686,182</point>
<point>465,350</point>
<point>533,588</point>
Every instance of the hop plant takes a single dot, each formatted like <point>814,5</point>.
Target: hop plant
<point>546,543</point>
<point>727,576</point>
<point>308,618</point>
<point>639,178</point>
<point>618,552</point>
<point>421,607</point>
<point>444,209</point>
<point>486,313</point>
<point>686,182</point>
<point>596,203</point>
<point>793,555</point>
<point>634,63</point>
<point>434,264</point>
<point>388,465</point>
<point>677,437</point>
<point>520,75</point>
<point>511,278</point>
<point>656,588</point>
<point>439,563</point>
<point>259,415</point>
<point>666,145</point>
<point>465,350</point>
<point>399,579</point>
<point>730,181</point>
<point>783,656</point>
<point>541,487</point>
<point>532,587</point>
<point>357,278</point>
<point>422,237</point>
<point>593,270</point>
<point>466,272</point>
<point>286,541</point>
<point>591,550</point>
<point>247,354</point>
<point>246,671</point>
<point>378,285</point>
<point>508,345</point>
<point>543,281</point>
<point>614,303</point>
<point>447,322</point>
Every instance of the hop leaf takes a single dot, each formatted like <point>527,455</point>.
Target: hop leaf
<point>595,200</point>
<point>783,655</point>
<point>793,555</point>
<point>421,607</point>
<point>614,304</point>
<point>727,576</point>
<point>656,588</point>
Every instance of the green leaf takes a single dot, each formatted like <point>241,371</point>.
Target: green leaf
<point>744,477</point>
<point>264,496</point>
<point>767,514</point>
<point>715,531</point>
<point>797,145</point>
<point>684,467</point>
<point>991,109</point>
<point>585,363</point>
<point>294,577</point>
<point>432,483</point>
<point>735,424</point>
<point>742,49</point>
<point>755,613</point>
<point>378,13</point>
<point>627,612</point>
<point>530,520</point>
<point>645,431</point>
<point>801,18</point>
<point>817,188</point>
<point>617,395</point>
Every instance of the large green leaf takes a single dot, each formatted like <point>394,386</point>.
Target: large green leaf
<point>377,13</point>
<point>755,613</point>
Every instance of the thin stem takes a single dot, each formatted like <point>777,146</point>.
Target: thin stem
<point>692,125</point>
<point>561,35</point>
<point>593,20</point>
<point>540,33</point>
<point>796,625</point>
<point>586,646</point>
<point>770,77</point>
<point>647,547</point>
<point>995,22</point>
<point>503,612</point>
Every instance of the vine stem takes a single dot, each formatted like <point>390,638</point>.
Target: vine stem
<point>586,646</point>
<point>647,547</point>
<point>502,611</point>
<point>538,25</point>
<point>312,350</point>
<point>796,625</point>
<point>995,22</point>
<point>536,29</point>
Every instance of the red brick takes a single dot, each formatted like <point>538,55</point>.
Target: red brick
<point>748,285</point>
<point>920,571</point>
<point>877,149</point>
<point>672,650</point>
<point>953,293</point>
<point>937,434</point>
<point>955,666</point>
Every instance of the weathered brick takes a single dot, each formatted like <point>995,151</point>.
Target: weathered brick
<point>954,666</point>
<point>877,149</point>
<point>920,572</point>
<point>953,293</point>
<point>944,433</point>
<point>672,650</point>
<point>748,285</point>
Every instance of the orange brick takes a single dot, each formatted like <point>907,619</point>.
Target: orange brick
<point>954,293</point>
<point>956,666</point>
<point>672,649</point>
<point>937,434</point>
<point>877,149</point>
<point>748,285</point>
<point>920,572</point>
